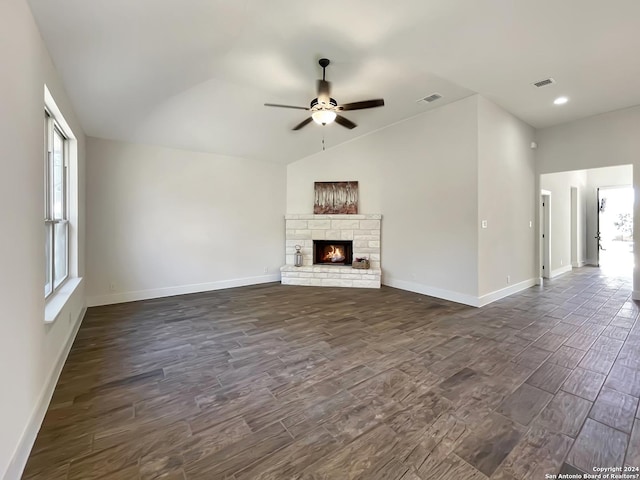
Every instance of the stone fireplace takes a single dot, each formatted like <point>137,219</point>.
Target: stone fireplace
<point>319,236</point>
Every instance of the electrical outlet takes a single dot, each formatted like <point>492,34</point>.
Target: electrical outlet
<point>508,279</point>
<point>484,224</point>
<point>266,269</point>
<point>112,286</point>
<point>530,224</point>
<point>561,262</point>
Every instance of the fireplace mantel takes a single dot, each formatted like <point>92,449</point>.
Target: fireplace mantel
<point>303,229</point>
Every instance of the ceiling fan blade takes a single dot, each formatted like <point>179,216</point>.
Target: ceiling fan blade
<point>324,91</point>
<point>306,121</point>
<point>345,122</point>
<point>285,106</point>
<point>379,102</point>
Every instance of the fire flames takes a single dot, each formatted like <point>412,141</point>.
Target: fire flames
<point>334,254</point>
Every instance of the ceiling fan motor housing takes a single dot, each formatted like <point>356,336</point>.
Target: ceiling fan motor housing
<point>316,105</point>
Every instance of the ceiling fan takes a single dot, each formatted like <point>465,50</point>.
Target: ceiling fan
<point>324,109</point>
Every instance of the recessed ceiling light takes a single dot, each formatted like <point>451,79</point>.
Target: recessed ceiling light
<point>560,101</point>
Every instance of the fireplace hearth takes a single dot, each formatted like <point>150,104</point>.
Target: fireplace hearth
<point>332,252</point>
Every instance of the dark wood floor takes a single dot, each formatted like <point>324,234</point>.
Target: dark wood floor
<point>283,382</point>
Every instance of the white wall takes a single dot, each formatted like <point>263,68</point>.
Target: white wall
<point>605,140</point>
<point>421,174</point>
<point>579,226</point>
<point>621,176</point>
<point>506,200</point>
<point>165,222</point>
<point>30,351</point>
<point>559,184</point>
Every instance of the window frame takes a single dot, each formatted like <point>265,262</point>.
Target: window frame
<point>53,128</point>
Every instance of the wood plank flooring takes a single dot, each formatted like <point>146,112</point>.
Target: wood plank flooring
<point>283,382</point>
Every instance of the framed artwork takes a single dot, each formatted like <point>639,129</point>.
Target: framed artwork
<point>335,197</point>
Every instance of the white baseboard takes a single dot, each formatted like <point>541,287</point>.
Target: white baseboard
<point>579,264</point>
<point>539,281</point>
<point>505,292</point>
<point>21,455</point>
<point>461,297</point>
<point>635,295</point>
<point>560,271</point>
<point>590,261</point>
<point>122,297</point>
<point>431,291</point>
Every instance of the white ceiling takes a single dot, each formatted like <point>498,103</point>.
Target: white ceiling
<point>194,74</point>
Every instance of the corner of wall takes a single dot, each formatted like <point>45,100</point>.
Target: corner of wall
<point>496,295</point>
<point>506,169</point>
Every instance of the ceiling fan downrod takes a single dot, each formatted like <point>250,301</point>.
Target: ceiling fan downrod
<point>324,63</point>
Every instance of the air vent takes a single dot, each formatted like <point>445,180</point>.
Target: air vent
<point>431,98</point>
<point>544,83</point>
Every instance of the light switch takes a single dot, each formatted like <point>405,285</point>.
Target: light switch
<point>484,224</point>
<point>530,223</point>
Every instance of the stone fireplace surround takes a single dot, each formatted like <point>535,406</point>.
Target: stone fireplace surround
<point>303,229</point>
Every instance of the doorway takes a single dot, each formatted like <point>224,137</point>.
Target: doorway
<point>614,230</point>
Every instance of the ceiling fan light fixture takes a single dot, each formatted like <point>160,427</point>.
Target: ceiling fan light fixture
<point>323,117</point>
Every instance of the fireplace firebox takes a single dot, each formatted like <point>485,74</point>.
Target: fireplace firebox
<point>332,252</point>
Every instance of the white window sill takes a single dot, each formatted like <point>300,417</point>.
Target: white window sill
<point>58,300</point>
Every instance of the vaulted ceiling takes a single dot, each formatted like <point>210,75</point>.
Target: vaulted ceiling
<point>194,74</point>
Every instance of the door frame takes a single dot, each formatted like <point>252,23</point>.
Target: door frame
<point>545,234</point>
<point>597,237</point>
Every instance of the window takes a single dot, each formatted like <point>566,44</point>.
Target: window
<point>56,208</point>
<point>61,217</point>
